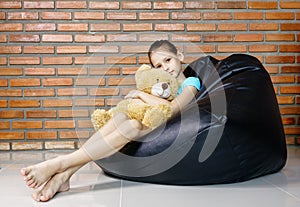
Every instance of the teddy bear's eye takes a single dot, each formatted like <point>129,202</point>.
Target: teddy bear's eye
<point>157,80</point>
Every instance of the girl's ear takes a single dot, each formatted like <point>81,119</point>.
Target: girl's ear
<point>180,56</point>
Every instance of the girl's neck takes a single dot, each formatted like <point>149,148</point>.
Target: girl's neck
<point>180,78</point>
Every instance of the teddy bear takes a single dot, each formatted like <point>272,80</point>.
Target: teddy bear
<point>153,81</point>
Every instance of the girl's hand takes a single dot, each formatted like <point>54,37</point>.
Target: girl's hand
<point>133,94</point>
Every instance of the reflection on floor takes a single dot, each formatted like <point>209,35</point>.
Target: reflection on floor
<point>90,187</point>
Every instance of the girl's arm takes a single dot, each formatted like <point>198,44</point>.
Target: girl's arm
<point>177,104</point>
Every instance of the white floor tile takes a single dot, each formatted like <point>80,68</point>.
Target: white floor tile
<point>90,187</point>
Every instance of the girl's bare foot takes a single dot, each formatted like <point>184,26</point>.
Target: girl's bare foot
<point>58,183</point>
<point>36,175</point>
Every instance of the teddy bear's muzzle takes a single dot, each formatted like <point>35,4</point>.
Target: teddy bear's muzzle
<point>161,89</point>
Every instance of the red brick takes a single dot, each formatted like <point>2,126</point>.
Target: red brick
<point>217,16</point>
<point>71,91</point>
<point>39,71</point>
<point>89,15</point>
<point>73,134</point>
<point>135,5</point>
<point>23,82</point>
<point>280,37</point>
<point>231,5</point>
<point>3,61</point>
<point>201,27</point>
<point>121,81</point>
<point>168,5</point>
<point>10,92</point>
<point>263,26</point>
<point>248,37</point>
<point>3,38</point>
<point>11,71</point>
<point>41,134</point>
<point>11,4</point>
<point>66,124</point>
<point>283,79</point>
<point>289,110</point>
<point>169,27</point>
<point>27,125</point>
<point>38,92</point>
<point>290,26</point>
<point>3,103</point>
<point>57,38</point>
<point>38,49</point>
<point>280,15</point>
<point>262,48</point>
<point>104,92</point>
<point>57,82</point>
<point>280,59</point>
<point>199,5</point>
<point>153,15</point>
<point>185,15</point>
<point>72,71</point>
<point>70,49</point>
<point>152,37</point>
<point>262,5</point>
<point>290,69</point>
<point>106,27</point>
<point>90,38</point>
<point>24,103</point>
<point>4,146</point>
<point>231,48</point>
<point>112,70</point>
<point>71,4</point>
<point>120,15</point>
<point>288,120</point>
<point>40,114</point>
<point>73,113</point>
<point>2,15</point>
<point>290,89</point>
<point>290,5</point>
<point>112,101</point>
<point>121,37</point>
<point>11,114</point>
<point>72,27</point>
<point>40,27</point>
<point>57,103</point>
<point>89,60</point>
<point>38,4</point>
<point>4,125</point>
<point>89,102</point>
<point>59,145</point>
<point>56,15</point>
<point>103,49</point>
<point>121,60</point>
<point>292,130</point>
<point>248,15</point>
<point>14,27</point>
<point>23,16</point>
<point>271,69</point>
<point>104,5</point>
<point>134,49</point>
<point>24,60</point>
<point>10,49</point>
<point>11,135</point>
<point>3,82</point>
<point>217,38</point>
<point>90,82</point>
<point>290,48</point>
<point>57,60</point>
<point>137,27</point>
<point>232,27</point>
<point>186,38</point>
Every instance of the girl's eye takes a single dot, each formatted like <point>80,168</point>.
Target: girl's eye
<point>168,60</point>
<point>158,66</point>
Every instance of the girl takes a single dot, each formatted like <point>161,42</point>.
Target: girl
<point>56,173</point>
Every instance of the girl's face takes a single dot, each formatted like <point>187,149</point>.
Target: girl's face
<point>167,61</point>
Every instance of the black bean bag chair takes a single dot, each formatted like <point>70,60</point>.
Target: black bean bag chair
<point>232,132</point>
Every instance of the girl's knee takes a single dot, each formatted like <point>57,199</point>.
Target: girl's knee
<point>130,129</point>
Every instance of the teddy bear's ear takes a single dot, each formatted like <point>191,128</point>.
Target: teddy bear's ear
<point>143,67</point>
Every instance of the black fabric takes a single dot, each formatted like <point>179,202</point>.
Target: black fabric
<point>251,143</point>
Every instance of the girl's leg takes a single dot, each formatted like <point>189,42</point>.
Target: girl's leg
<point>98,146</point>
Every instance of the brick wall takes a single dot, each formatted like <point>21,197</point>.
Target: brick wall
<point>61,59</point>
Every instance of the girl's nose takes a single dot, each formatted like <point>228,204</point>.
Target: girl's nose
<point>165,67</point>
